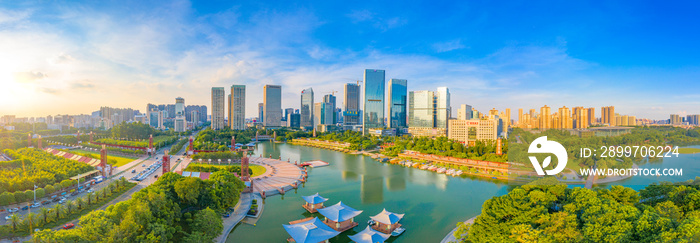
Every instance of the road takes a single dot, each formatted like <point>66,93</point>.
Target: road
<point>177,162</point>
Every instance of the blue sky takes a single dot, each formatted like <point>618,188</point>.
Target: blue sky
<point>642,57</point>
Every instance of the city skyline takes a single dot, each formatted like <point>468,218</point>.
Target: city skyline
<point>74,55</point>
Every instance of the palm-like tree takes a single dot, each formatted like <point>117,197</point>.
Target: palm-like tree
<point>45,213</point>
<point>79,202</point>
<point>69,206</point>
<point>58,208</point>
<point>89,198</point>
<point>112,187</point>
<point>97,195</point>
<point>14,219</point>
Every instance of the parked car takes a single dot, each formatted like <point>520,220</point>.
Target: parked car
<point>226,215</point>
<point>12,210</point>
<point>68,226</point>
<point>62,201</point>
<point>74,193</point>
<point>56,199</point>
<point>25,207</point>
<point>45,202</point>
<point>8,217</point>
<point>133,171</point>
<point>90,190</point>
<point>36,205</point>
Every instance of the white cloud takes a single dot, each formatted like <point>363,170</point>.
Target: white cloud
<point>448,46</point>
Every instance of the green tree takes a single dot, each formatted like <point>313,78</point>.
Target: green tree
<point>44,214</point>
<point>207,222</point>
<point>40,193</point>
<point>188,189</point>
<point>14,220</point>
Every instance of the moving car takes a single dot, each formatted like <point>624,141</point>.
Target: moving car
<point>90,190</point>
<point>45,202</point>
<point>68,226</point>
<point>36,205</point>
<point>8,217</point>
<point>12,210</point>
<point>25,207</point>
<point>133,171</point>
<point>56,199</point>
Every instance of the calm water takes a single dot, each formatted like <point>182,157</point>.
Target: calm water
<point>433,203</point>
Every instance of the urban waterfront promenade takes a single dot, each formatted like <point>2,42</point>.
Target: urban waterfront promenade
<point>450,237</point>
<point>279,176</point>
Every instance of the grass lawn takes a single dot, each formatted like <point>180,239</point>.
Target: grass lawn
<point>120,159</point>
<point>257,169</point>
<point>688,150</point>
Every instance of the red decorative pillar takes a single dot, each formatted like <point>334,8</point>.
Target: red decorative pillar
<point>498,147</point>
<point>150,145</point>
<point>191,146</point>
<point>244,168</point>
<point>29,140</point>
<point>233,143</point>
<point>103,159</point>
<point>39,142</point>
<point>166,162</point>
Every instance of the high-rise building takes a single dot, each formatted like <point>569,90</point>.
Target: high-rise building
<point>545,118</point>
<point>351,115</point>
<point>180,124</point>
<point>608,115</point>
<point>591,115</point>
<point>565,118</point>
<point>443,110</point>
<point>464,112</point>
<point>218,102</point>
<point>329,98</point>
<point>293,120</point>
<point>323,114</point>
<point>273,105</point>
<point>675,119</point>
<point>520,116</point>
<point>195,117</point>
<point>201,113</point>
<point>179,106</point>
<point>397,103</point>
<point>373,111</point>
<point>287,111</point>
<point>154,119</point>
<point>693,119</point>
<point>307,109</point>
<point>580,117</point>
<point>428,112</point>
<point>261,112</point>
<point>236,108</point>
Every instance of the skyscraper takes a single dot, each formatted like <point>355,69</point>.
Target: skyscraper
<point>591,115</point>
<point>307,109</point>
<point>237,107</point>
<point>273,105</point>
<point>351,115</point>
<point>261,112</point>
<point>218,96</point>
<point>397,103</point>
<point>323,114</point>
<point>608,115</point>
<point>428,112</point>
<point>545,118</point>
<point>179,106</point>
<point>329,98</point>
<point>373,111</point>
<point>443,107</point>
<point>287,111</point>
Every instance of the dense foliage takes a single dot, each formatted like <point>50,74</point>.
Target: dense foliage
<point>174,208</point>
<point>217,155</point>
<point>482,150</point>
<point>212,168</point>
<point>114,149</point>
<point>133,130</point>
<point>547,212</point>
<point>178,146</point>
<point>35,167</point>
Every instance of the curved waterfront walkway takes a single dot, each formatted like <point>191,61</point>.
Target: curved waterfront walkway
<point>239,212</point>
<point>450,237</point>
<point>279,176</point>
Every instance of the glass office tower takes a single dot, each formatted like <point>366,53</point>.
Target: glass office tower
<point>272,99</point>
<point>351,115</point>
<point>397,103</point>
<point>307,109</point>
<point>373,111</point>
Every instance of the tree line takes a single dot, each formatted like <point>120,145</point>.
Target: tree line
<point>547,211</point>
<point>174,208</point>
